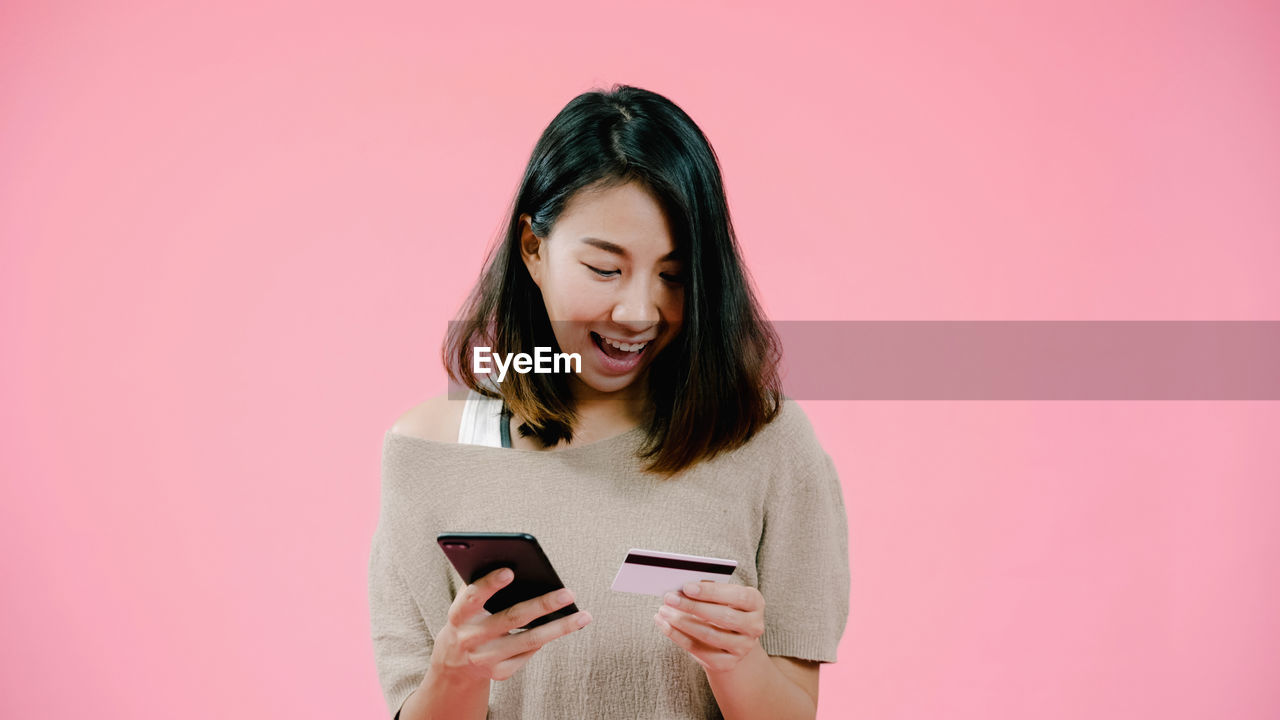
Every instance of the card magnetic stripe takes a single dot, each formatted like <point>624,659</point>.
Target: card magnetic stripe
<point>696,566</point>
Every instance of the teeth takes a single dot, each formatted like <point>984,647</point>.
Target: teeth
<point>625,346</point>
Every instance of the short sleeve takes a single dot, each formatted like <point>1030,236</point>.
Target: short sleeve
<point>402,642</point>
<point>803,560</point>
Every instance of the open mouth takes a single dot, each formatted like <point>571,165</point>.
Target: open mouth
<point>619,357</point>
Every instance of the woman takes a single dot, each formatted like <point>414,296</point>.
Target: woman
<point>671,435</point>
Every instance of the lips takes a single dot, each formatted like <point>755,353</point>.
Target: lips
<point>621,341</point>
<point>614,360</point>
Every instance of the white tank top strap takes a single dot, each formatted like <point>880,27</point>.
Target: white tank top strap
<point>481,420</point>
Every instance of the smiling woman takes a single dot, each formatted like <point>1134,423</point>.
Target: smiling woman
<point>671,434</point>
<point>619,301</point>
<point>621,231</point>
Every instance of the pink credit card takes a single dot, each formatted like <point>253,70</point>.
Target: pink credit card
<point>652,572</point>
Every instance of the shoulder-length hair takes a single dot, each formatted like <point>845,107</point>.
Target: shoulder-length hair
<point>717,383</point>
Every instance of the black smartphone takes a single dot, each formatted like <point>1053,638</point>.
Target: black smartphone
<point>476,554</point>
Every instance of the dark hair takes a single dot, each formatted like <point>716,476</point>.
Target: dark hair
<point>717,383</point>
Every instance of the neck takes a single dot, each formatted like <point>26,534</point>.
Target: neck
<point>613,412</point>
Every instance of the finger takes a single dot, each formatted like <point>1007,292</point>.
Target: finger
<point>522,613</point>
<point>508,667</point>
<point>535,639</point>
<point>741,597</point>
<point>470,601</point>
<point>528,642</point>
<point>704,654</point>
<point>709,635</point>
<point>543,634</point>
<point>724,616</point>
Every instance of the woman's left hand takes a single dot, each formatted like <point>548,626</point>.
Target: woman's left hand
<point>718,623</point>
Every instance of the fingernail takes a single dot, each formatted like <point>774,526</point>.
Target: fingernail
<point>691,589</point>
<point>505,575</point>
<point>564,596</point>
<point>583,619</point>
<point>666,612</point>
<point>671,599</point>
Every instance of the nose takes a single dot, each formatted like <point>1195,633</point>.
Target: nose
<point>637,306</point>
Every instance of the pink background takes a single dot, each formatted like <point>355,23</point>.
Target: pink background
<point>233,233</point>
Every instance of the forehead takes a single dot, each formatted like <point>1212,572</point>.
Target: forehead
<point>625,215</point>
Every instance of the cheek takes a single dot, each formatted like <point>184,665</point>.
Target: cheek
<point>571,297</point>
<point>675,307</point>
<point>583,294</point>
<point>558,286</point>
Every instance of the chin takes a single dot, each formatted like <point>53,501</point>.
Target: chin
<point>608,385</point>
<point>602,383</point>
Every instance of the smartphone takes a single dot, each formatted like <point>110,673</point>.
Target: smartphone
<point>476,554</point>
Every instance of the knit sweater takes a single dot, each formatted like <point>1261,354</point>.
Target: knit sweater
<point>774,505</point>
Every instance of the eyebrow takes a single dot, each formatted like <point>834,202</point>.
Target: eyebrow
<point>618,249</point>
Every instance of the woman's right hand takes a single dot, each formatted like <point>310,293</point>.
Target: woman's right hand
<point>478,645</point>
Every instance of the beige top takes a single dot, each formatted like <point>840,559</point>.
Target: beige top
<point>774,505</point>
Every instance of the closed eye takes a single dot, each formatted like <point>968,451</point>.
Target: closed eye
<point>674,279</point>
<point>603,273</point>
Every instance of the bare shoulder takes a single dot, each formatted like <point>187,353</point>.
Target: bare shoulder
<point>437,419</point>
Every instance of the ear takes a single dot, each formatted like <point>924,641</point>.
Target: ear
<point>531,250</point>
